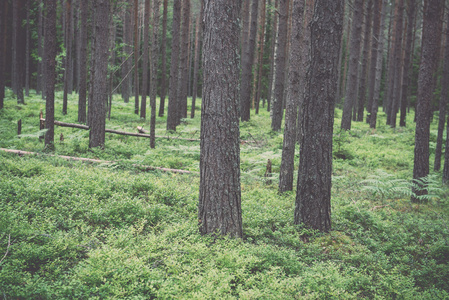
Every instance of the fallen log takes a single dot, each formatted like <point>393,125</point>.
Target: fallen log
<point>143,131</point>
<point>92,160</point>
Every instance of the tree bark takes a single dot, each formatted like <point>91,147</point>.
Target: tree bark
<point>164,61</point>
<point>293,96</point>
<point>354,56</point>
<point>172,116</point>
<point>145,57</point>
<point>50,66</point>
<point>411,9</point>
<point>18,51</point>
<point>247,64</point>
<point>196,66</point>
<point>219,209</point>
<point>273,50</point>
<point>431,39</point>
<point>83,64</point>
<point>98,122</point>
<point>260,59</point>
<point>40,48</point>
<point>153,71</point>
<point>128,41</point>
<point>68,57</point>
<point>3,31</point>
<point>444,100</point>
<point>27,49</point>
<point>136,57</point>
<point>279,77</point>
<point>313,207</point>
<point>183,62</point>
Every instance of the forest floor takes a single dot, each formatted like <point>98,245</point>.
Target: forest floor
<point>75,230</point>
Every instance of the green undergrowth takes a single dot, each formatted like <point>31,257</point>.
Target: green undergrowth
<point>73,230</point>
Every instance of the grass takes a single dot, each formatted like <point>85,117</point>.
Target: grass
<point>97,231</point>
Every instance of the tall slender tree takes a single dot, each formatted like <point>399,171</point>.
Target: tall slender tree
<point>128,41</point>
<point>164,60</point>
<point>272,61</point>
<point>145,57</point>
<point>50,65</point>
<point>3,31</point>
<point>83,63</point>
<point>136,57</point>
<point>172,115</point>
<point>293,95</point>
<point>353,66</point>
<point>313,207</point>
<point>219,208</point>
<point>431,39</point>
<point>279,77</point>
<point>18,51</point>
<point>183,76</point>
<point>247,63</point>
<point>98,122</point>
<point>260,60</point>
<point>153,71</point>
<point>68,56</point>
<point>196,66</point>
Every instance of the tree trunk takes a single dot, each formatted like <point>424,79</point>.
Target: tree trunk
<point>40,44</point>
<point>219,208</point>
<point>153,71</point>
<point>145,56</point>
<point>378,75</point>
<point>272,63</point>
<point>98,122</point>
<point>127,65</point>
<point>411,8</point>
<point>3,35</point>
<point>136,57</point>
<point>431,39</point>
<point>293,96</point>
<point>50,66</point>
<point>247,63</point>
<point>261,57</point>
<point>279,77</point>
<point>27,49</point>
<point>183,62</point>
<point>92,65</point>
<point>313,207</point>
<point>83,64</point>
<point>353,66</point>
<point>196,66</point>
<point>365,54</point>
<point>68,57</point>
<point>18,51</point>
<point>172,116</point>
<point>164,60</point>
<point>374,51</point>
<point>444,100</point>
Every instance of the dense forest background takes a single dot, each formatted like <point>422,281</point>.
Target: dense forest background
<point>275,112</point>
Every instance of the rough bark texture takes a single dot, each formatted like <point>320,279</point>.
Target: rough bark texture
<point>397,55</point>
<point>83,64</point>
<point>164,60</point>
<point>313,207</point>
<point>279,77</point>
<point>50,66</point>
<point>365,54</point>
<point>374,51</point>
<point>431,38</point>
<point>98,122</point>
<point>377,79</point>
<point>184,62</point>
<point>219,209</point>
<point>136,57</point>
<point>145,57</point>
<point>172,115</point>
<point>293,95</point>
<point>444,100</point>
<point>411,8</point>
<point>153,71</point>
<point>247,64</point>
<point>353,66</point>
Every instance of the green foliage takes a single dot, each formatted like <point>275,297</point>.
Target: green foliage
<point>99,231</point>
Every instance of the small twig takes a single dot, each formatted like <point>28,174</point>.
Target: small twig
<point>7,249</point>
<point>380,206</point>
<point>257,143</point>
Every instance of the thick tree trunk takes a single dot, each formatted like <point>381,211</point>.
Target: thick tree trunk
<point>50,66</point>
<point>136,57</point>
<point>444,101</point>
<point>183,63</point>
<point>83,64</point>
<point>431,39</point>
<point>172,116</point>
<point>153,71</point>
<point>164,60</point>
<point>353,66</point>
<point>98,122</point>
<point>411,9</point>
<point>365,54</point>
<point>219,208</point>
<point>145,57</point>
<point>313,207</point>
<point>279,77</point>
<point>196,66</point>
<point>247,63</point>
<point>293,96</point>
